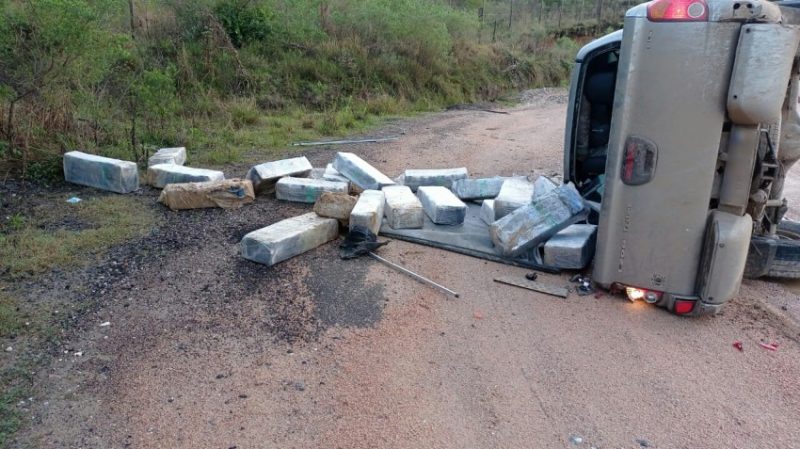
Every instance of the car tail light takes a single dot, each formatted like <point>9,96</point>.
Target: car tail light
<point>649,296</point>
<point>677,11</point>
<point>683,306</point>
<point>639,161</point>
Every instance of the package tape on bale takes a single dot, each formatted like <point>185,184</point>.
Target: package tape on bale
<point>441,205</point>
<point>359,172</point>
<point>403,209</point>
<point>264,176</point>
<point>101,172</point>
<point>162,174</point>
<point>306,190</point>
<point>531,225</point>
<point>288,238</point>
<point>443,177</point>
<point>368,211</point>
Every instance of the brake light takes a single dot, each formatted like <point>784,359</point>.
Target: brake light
<point>639,161</point>
<point>677,11</point>
<point>683,306</point>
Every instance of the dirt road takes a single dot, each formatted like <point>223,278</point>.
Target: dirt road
<point>206,350</point>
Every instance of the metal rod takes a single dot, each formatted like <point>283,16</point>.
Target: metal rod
<point>344,142</point>
<point>422,279</point>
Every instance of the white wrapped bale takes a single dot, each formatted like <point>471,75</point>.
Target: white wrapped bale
<point>478,189</point>
<point>514,193</point>
<point>441,205</point>
<point>264,176</point>
<point>572,248</point>
<point>359,172</point>
<point>531,225</point>
<point>331,174</point>
<point>305,190</point>
<point>162,174</point>
<point>403,209</point>
<point>368,211</point>
<point>487,211</point>
<point>335,205</point>
<point>288,238</point>
<point>443,177</point>
<point>542,186</point>
<point>175,156</point>
<point>101,172</point>
<point>227,194</point>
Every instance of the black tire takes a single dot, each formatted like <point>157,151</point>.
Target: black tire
<point>776,257</point>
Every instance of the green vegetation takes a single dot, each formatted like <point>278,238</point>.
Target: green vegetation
<point>68,235</point>
<point>231,77</point>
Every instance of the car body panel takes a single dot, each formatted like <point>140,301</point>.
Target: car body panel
<point>651,235</point>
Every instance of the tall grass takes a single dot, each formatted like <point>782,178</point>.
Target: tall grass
<point>86,74</point>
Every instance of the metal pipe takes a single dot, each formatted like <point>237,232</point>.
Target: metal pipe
<point>422,279</point>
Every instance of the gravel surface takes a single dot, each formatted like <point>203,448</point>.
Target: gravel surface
<point>207,350</point>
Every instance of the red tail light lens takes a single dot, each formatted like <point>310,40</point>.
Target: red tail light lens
<point>677,11</point>
<point>639,161</point>
<point>683,306</point>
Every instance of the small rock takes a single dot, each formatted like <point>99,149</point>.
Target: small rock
<point>105,324</point>
<point>576,440</point>
<point>642,442</point>
<point>9,349</point>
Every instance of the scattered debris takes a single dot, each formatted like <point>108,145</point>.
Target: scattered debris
<point>359,172</point>
<point>101,172</point>
<point>532,276</point>
<point>403,209</point>
<point>105,324</point>
<point>441,205</point>
<point>78,354</point>
<point>576,440</point>
<point>514,194</point>
<point>642,442</point>
<point>478,315</point>
<point>175,156</point>
<point>306,190</point>
<point>74,200</point>
<point>529,226</point>
<point>335,205</point>
<point>368,211</point>
<point>264,176</point>
<point>344,142</point>
<point>488,212</point>
<point>288,238</point>
<point>227,194</point>
<point>161,175</point>
<point>359,241</point>
<point>553,290</point>
<point>416,276</point>
<point>443,177</point>
<point>9,349</point>
<point>768,346</point>
<point>585,285</point>
<point>738,345</point>
<point>571,248</point>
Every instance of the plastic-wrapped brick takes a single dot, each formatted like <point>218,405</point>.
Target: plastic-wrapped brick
<point>101,172</point>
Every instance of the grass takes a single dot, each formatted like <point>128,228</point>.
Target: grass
<point>39,245</point>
